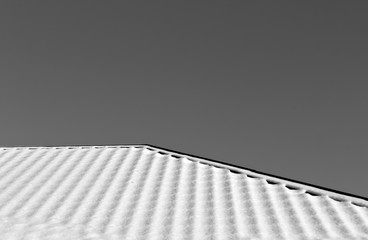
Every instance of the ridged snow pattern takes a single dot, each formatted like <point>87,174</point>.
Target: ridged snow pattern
<point>136,192</point>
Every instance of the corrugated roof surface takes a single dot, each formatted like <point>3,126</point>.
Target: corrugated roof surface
<point>140,192</point>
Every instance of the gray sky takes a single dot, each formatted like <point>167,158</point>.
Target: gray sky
<point>277,86</point>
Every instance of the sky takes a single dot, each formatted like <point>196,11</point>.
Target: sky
<point>275,86</point>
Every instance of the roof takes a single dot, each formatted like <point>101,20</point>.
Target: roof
<point>144,192</point>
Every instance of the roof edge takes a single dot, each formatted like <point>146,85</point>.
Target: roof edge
<point>312,189</point>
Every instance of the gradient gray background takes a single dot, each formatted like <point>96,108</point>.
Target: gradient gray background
<point>277,86</point>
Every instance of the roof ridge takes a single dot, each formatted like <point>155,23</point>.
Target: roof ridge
<point>291,184</point>
<point>74,146</point>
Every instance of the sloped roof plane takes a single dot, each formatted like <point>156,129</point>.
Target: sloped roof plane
<point>144,192</point>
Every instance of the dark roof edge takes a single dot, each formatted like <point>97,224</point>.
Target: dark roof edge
<point>355,199</point>
<point>312,189</point>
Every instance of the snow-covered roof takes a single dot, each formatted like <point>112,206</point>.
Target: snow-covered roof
<point>144,192</point>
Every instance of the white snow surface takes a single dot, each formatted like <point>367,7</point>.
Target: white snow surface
<point>142,192</point>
